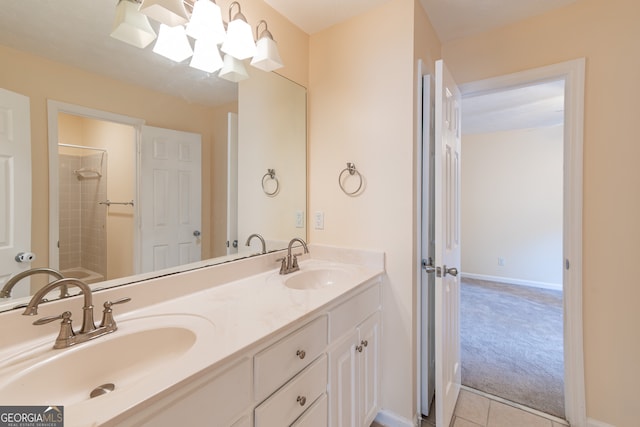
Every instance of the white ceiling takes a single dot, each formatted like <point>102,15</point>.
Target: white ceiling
<point>451,18</point>
<point>525,107</point>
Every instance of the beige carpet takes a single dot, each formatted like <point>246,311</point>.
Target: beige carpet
<point>512,343</point>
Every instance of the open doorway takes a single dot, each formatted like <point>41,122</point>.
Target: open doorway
<point>512,220</point>
<point>572,73</point>
<point>92,192</point>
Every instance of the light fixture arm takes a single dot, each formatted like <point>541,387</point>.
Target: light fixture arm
<point>265,32</point>
<point>238,15</point>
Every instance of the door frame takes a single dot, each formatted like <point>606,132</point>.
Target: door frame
<point>53,109</point>
<point>573,73</point>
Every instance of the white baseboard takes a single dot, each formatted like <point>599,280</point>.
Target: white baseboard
<point>512,281</point>
<point>389,419</point>
<point>595,423</point>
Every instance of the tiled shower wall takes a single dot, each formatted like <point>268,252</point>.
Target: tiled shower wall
<point>83,237</point>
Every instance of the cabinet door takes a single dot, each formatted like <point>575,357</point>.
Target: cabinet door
<point>342,383</point>
<point>368,352</point>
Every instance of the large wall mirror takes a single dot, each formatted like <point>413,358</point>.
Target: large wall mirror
<point>98,107</point>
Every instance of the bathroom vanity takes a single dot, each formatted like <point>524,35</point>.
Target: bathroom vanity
<point>229,345</point>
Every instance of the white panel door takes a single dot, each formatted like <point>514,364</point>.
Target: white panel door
<point>15,186</point>
<point>447,244</point>
<point>170,194</point>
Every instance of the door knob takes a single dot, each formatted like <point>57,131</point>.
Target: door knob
<point>451,270</point>
<point>196,233</point>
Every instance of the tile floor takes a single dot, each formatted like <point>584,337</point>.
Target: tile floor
<point>477,410</point>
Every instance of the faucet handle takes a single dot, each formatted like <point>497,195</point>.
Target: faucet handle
<point>108,304</point>
<point>66,336</point>
<point>107,314</point>
<point>283,265</point>
<point>65,317</point>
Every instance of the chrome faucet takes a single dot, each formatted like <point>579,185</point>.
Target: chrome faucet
<point>8,286</point>
<point>290,262</point>
<point>264,245</point>
<point>67,337</point>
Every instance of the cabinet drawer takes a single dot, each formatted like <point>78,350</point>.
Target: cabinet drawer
<point>346,316</point>
<point>288,403</point>
<point>281,361</point>
<point>316,416</point>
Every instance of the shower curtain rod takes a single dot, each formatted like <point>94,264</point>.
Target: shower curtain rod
<point>82,147</point>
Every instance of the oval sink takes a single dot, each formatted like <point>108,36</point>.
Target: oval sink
<point>137,349</point>
<point>317,278</point>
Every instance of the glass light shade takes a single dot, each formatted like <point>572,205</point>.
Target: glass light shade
<point>239,41</point>
<point>168,12</point>
<point>206,56</point>
<point>233,70</point>
<point>173,43</point>
<point>206,22</point>
<point>131,26</point>
<point>267,57</point>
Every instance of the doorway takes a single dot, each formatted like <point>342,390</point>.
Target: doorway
<point>511,282</point>
<point>92,192</point>
<point>572,73</point>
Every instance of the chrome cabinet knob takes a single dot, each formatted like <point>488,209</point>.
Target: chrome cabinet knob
<point>359,348</point>
<point>301,400</point>
<point>301,354</point>
<point>364,343</point>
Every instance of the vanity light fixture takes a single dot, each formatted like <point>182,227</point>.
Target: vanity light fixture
<point>131,26</point>
<point>173,43</point>
<point>239,42</point>
<point>267,57</point>
<point>206,22</point>
<point>233,69</point>
<point>206,56</point>
<point>168,12</point>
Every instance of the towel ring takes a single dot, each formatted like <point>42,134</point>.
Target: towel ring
<point>351,168</point>
<point>270,175</point>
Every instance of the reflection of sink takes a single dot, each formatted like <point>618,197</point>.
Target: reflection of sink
<point>318,278</point>
<point>137,349</point>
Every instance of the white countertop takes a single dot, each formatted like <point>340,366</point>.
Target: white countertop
<point>231,317</point>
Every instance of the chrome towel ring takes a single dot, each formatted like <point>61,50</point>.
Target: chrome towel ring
<point>270,176</point>
<point>351,169</point>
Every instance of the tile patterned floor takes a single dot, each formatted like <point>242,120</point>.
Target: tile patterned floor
<point>477,410</point>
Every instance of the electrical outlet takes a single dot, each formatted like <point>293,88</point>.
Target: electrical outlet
<point>500,261</point>
<point>319,220</point>
<point>299,219</point>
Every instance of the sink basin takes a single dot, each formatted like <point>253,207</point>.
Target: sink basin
<point>318,278</point>
<point>139,348</point>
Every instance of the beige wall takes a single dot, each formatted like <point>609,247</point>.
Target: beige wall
<point>607,35</point>
<point>361,83</point>
<point>511,190</point>
<point>272,135</point>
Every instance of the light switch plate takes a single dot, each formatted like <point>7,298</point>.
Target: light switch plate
<point>319,220</point>
<point>299,219</point>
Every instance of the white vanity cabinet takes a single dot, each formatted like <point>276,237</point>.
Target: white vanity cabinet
<point>354,379</point>
<point>322,373</point>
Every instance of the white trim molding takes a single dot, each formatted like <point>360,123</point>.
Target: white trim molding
<point>389,419</point>
<point>573,74</point>
<point>595,423</point>
<point>513,281</point>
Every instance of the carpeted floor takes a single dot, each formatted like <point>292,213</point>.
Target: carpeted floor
<point>512,344</point>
